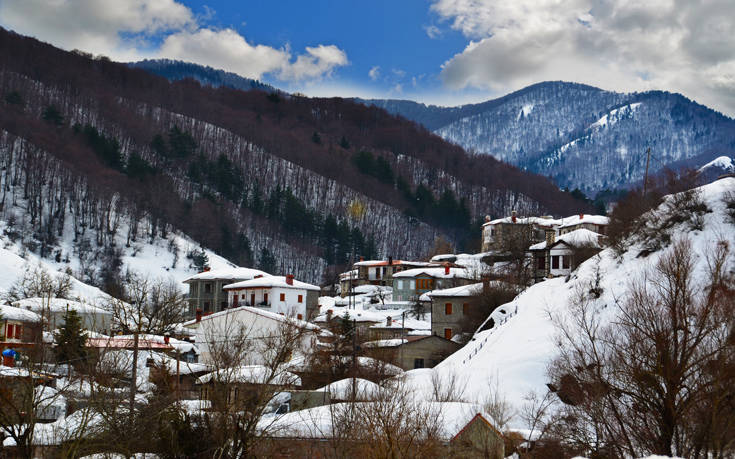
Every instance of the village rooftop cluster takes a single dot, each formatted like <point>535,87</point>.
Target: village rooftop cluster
<point>331,345</point>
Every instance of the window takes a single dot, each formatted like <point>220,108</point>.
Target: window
<point>18,331</point>
<point>418,363</point>
<point>283,297</point>
<point>465,308</point>
<point>399,285</point>
<point>301,298</point>
<point>207,288</point>
<point>265,298</point>
<point>377,273</point>
<point>242,297</point>
<point>206,306</point>
<point>540,263</point>
<point>412,285</point>
<point>448,333</point>
<point>9,331</point>
<point>555,262</point>
<point>384,271</point>
<point>565,261</point>
<point>448,309</point>
<point>299,316</point>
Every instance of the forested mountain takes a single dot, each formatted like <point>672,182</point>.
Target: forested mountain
<point>266,179</point>
<point>580,136</point>
<point>207,76</point>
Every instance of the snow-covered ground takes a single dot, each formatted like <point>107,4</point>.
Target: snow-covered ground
<point>515,353</point>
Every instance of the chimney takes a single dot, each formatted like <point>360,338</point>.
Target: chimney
<point>289,279</point>
<point>390,261</point>
<point>487,218</point>
<point>329,315</point>
<point>257,276</point>
<point>362,258</point>
<point>513,216</point>
<point>581,216</point>
<point>446,270</point>
<point>166,339</point>
<point>388,321</point>
<point>550,236</point>
<point>199,315</point>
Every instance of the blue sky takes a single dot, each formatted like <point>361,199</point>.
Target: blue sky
<point>392,38</point>
<point>446,52</point>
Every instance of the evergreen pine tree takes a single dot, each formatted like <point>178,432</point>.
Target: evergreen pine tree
<point>70,340</point>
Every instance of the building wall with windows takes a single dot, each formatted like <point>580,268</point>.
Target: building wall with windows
<point>447,315</point>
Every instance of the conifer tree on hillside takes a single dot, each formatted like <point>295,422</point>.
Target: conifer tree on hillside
<point>70,340</point>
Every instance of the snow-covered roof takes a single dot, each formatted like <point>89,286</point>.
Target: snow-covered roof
<point>234,273</point>
<point>393,263</point>
<point>176,344</point>
<point>463,290</point>
<point>257,311</point>
<point>126,342</point>
<point>540,221</point>
<point>397,321</point>
<point>317,422</point>
<point>59,305</point>
<point>358,315</point>
<point>584,218</point>
<point>18,314</point>
<point>349,274</point>
<point>576,238</point>
<point>271,282</point>
<point>342,389</point>
<point>252,374</point>
<point>437,273</point>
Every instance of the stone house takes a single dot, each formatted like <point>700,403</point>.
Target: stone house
<point>411,352</point>
<point>206,289</point>
<point>595,223</point>
<point>450,307</point>
<point>506,233</point>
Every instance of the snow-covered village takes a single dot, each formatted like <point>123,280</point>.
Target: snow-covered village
<point>482,230</point>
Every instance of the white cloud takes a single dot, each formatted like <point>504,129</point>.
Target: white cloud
<point>676,45</point>
<point>432,31</point>
<point>128,30</point>
<point>374,72</point>
<point>397,88</point>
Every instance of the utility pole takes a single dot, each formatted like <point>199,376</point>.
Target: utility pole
<point>354,361</point>
<point>645,178</point>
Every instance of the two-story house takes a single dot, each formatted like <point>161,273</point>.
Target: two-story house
<point>409,285</point>
<point>376,272</point>
<point>53,311</point>
<point>506,233</point>
<point>595,223</point>
<point>450,308</point>
<point>279,294</point>
<point>19,328</point>
<point>206,289</point>
<point>560,255</point>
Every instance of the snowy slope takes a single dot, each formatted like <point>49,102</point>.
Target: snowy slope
<point>152,259</point>
<point>514,355</point>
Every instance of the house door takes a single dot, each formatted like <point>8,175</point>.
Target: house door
<point>448,333</point>
<point>234,299</point>
<point>252,299</point>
